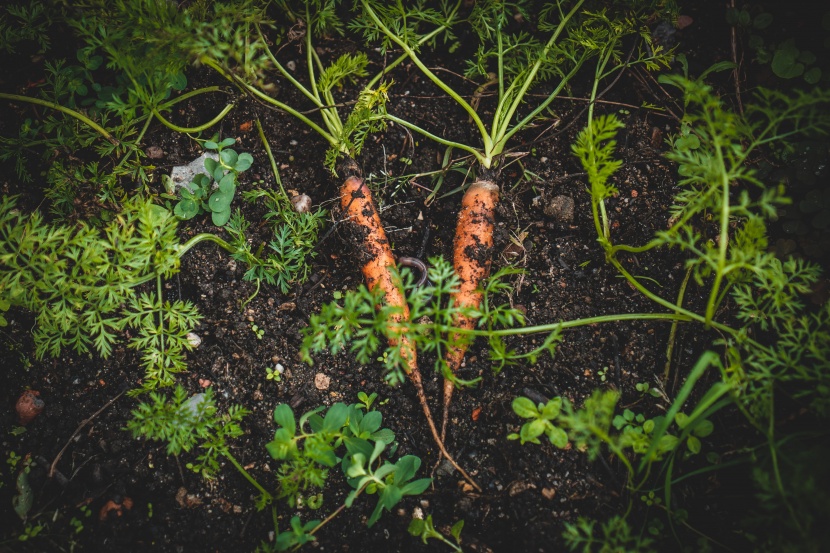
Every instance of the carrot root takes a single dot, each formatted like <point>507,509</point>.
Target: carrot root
<point>472,255</point>
<point>378,265</point>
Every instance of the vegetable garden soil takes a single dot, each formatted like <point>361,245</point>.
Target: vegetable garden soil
<point>141,499</point>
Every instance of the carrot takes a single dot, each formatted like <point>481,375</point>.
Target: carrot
<point>379,271</point>
<point>472,254</point>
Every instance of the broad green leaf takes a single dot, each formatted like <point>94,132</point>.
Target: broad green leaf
<point>532,430</point>
<point>186,209</point>
<point>455,531</point>
<point>406,468</point>
<point>335,417</point>
<point>219,218</point>
<point>210,166</point>
<point>227,184</point>
<point>558,437</point>
<point>228,157</point>
<point>525,408</point>
<point>227,142</point>
<point>703,428</point>
<point>694,444</point>
<point>384,435</point>
<point>416,487</point>
<point>210,145</point>
<point>284,416</point>
<point>371,421</point>
<point>416,527</point>
<point>244,162</point>
<point>178,81</point>
<point>551,410</point>
<point>220,201</point>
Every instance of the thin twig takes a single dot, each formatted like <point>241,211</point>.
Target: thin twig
<point>77,430</point>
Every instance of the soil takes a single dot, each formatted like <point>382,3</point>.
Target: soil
<point>142,499</point>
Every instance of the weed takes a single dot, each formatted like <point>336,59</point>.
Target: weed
<point>214,192</point>
<point>424,528</point>
<point>274,374</point>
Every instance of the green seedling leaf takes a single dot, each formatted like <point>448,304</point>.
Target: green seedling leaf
<point>531,431</point>
<point>525,408</point>
<point>762,21</point>
<point>178,81</point>
<point>23,501</point>
<point>228,157</point>
<point>703,429</point>
<point>455,531</point>
<point>244,162</point>
<point>416,528</point>
<point>784,62</point>
<point>227,142</point>
<point>186,209</point>
<point>220,218</point>
<point>282,446</point>
<point>813,75</point>
<point>694,444</point>
<point>405,468</point>
<point>558,437</point>
<point>551,410</point>
<point>227,184</point>
<point>284,416</point>
<point>335,417</point>
<point>384,435</point>
<point>686,143</point>
<point>220,201</point>
<point>210,145</point>
<point>371,422</point>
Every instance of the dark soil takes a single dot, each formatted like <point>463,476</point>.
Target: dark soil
<point>529,492</point>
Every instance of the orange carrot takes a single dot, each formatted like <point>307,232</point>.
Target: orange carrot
<point>472,254</point>
<point>379,271</point>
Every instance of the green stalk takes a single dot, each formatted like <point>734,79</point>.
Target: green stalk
<point>188,95</point>
<point>479,156</point>
<point>288,76</point>
<point>270,156</point>
<point>423,40</point>
<point>673,331</point>
<point>77,115</point>
<point>245,473</point>
<point>486,139</point>
<point>517,101</point>
<point>723,238</point>
<point>200,128</point>
<point>265,98</point>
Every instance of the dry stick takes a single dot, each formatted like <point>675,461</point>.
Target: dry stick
<point>472,254</point>
<point>378,265</point>
<point>84,423</point>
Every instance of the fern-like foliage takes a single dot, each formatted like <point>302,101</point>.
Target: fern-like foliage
<point>187,422</point>
<point>81,284</point>
<point>359,323</point>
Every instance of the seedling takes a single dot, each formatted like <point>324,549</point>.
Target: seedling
<point>274,374</point>
<point>425,529</point>
<point>258,332</point>
<point>213,192</point>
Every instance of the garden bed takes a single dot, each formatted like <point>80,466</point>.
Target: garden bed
<point>94,486</point>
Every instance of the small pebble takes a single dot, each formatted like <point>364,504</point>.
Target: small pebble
<point>301,203</point>
<point>29,406</point>
<point>193,339</point>
<point>560,208</point>
<point>321,381</point>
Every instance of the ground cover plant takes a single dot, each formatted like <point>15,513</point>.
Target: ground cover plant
<point>646,344</point>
